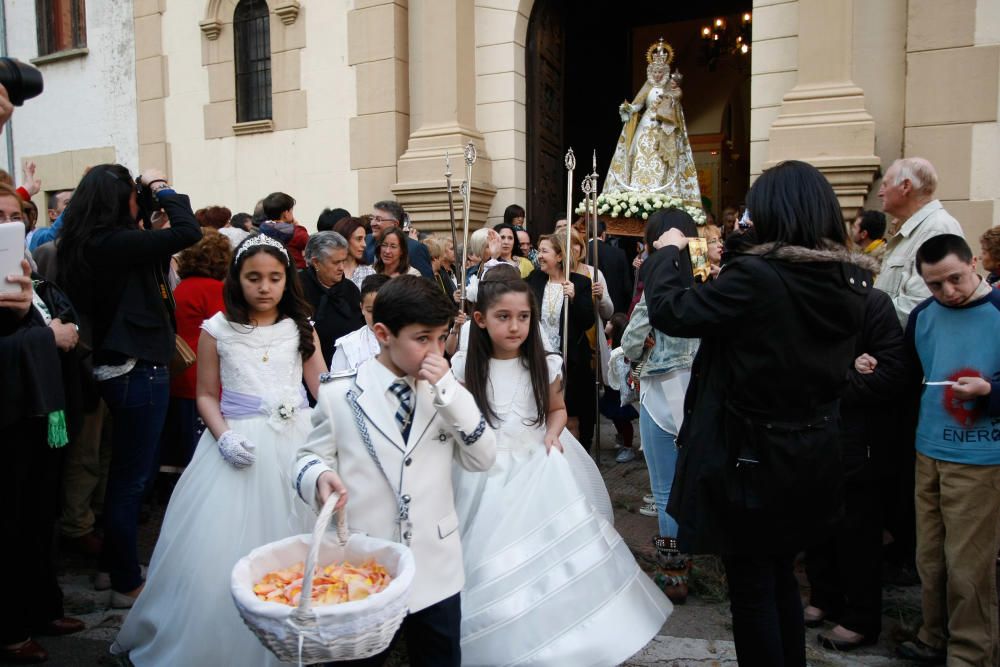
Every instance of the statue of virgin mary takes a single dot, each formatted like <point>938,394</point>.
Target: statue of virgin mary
<point>653,155</point>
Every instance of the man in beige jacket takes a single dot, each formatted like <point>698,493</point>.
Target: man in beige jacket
<point>907,194</point>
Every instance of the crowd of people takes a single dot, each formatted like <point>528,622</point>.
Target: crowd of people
<point>824,388</point>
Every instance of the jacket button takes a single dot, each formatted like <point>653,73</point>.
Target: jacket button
<point>406,499</point>
<point>408,461</point>
<point>407,536</point>
<point>850,280</point>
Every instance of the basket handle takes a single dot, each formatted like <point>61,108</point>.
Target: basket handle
<point>322,523</point>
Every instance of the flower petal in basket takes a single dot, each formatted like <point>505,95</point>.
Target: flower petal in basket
<point>310,634</point>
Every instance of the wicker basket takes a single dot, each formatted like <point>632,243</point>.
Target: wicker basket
<point>307,634</point>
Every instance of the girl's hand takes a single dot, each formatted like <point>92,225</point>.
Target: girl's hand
<point>460,319</point>
<point>433,368</point>
<point>20,301</point>
<point>568,289</point>
<point>967,388</point>
<point>637,262</point>
<point>66,335</point>
<point>672,236</point>
<point>552,442</point>
<point>327,483</point>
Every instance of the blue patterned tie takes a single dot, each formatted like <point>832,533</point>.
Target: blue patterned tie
<point>404,413</point>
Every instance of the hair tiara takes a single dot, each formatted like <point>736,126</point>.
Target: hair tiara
<point>260,239</point>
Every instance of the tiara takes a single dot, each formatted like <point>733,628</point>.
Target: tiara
<point>260,239</point>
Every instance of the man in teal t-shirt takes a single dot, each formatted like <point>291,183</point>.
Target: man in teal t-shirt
<point>952,338</point>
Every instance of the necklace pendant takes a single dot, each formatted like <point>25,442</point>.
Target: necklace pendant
<point>264,358</point>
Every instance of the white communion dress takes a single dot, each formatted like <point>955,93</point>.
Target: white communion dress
<point>185,615</point>
<point>548,580</point>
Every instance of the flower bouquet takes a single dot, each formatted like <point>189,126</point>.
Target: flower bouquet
<point>635,208</point>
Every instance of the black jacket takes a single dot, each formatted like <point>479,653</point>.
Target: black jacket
<point>868,427</point>
<point>336,311</point>
<point>614,264</point>
<point>125,304</point>
<point>581,316</point>
<point>759,467</point>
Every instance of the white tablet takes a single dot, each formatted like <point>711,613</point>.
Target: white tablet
<point>11,254</point>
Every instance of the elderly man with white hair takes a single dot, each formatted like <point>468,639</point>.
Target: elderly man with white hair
<point>907,194</point>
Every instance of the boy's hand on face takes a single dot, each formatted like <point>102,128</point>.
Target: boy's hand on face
<point>433,368</point>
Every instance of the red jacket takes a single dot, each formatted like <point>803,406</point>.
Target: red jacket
<point>297,246</point>
<point>197,299</point>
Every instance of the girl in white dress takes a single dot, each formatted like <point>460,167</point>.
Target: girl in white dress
<point>235,495</point>
<point>548,580</point>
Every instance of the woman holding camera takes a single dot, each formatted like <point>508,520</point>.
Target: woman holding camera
<point>759,467</point>
<point>116,272</point>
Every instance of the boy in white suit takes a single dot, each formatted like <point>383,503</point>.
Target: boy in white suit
<point>387,435</point>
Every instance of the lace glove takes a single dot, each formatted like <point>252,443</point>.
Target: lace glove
<point>236,450</point>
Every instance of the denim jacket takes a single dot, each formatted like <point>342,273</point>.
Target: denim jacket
<point>668,353</point>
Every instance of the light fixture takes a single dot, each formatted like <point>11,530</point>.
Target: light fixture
<point>721,38</point>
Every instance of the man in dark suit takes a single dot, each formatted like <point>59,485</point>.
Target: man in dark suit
<point>614,264</point>
<point>389,213</point>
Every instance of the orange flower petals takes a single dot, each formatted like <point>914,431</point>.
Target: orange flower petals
<point>334,584</point>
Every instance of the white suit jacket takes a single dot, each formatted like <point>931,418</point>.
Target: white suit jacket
<point>447,426</point>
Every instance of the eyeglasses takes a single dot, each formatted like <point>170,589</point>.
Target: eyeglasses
<point>379,219</point>
<point>16,217</point>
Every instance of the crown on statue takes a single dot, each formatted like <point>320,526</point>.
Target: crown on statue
<point>660,53</point>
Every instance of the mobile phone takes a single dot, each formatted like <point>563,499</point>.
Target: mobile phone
<point>11,254</point>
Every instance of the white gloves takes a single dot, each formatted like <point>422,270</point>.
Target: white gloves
<point>236,450</point>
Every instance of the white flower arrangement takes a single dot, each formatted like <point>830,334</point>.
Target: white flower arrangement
<point>640,205</point>
<point>284,410</point>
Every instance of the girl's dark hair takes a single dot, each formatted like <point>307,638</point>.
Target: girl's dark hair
<point>293,304</point>
<point>516,251</point>
<point>618,321</point>
<point>532,353</point>
<point>100,203</point>
<point>511,212</point>
<point>666,219</point>
<point>404,251</point>
<point>793,204</point>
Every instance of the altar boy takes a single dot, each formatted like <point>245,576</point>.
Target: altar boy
<point>385,436</point>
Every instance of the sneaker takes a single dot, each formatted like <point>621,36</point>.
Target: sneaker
<point>649,509</point>
<point>917,651</point>
<point>625,454</point>
<point>648,499</point>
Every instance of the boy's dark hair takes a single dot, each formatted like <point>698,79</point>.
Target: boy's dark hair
<point>872,222</point>
<point>373,283</point>
<point>936,248</point>
<point>408,300</point>
<point>277,203</point>
<point>241,221</point>
<point>619,322</point>
<point>330,217</point>
<point>494,285</point>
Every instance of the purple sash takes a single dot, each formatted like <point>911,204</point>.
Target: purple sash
<point>238,404</point>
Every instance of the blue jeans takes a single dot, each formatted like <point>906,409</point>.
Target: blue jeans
<point>138,403</point>
<point>660,449</point>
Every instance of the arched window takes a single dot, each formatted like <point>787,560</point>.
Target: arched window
<point>252,32</point>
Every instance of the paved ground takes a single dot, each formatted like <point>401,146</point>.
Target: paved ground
<point>698,633</point>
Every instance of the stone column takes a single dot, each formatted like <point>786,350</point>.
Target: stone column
<point>442,77</point>
<point>823,119</point>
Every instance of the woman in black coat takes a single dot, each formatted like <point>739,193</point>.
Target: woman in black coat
<point>336,300</point>
<point>759,474</point>
<point>115,273</point>
<point>550,287</point>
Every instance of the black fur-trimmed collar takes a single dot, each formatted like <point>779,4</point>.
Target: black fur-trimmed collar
<point>829,252</point>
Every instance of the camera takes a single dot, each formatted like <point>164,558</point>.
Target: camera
<point>21,80</point>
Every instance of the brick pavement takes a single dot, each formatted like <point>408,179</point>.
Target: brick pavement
<point>697,633</point>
